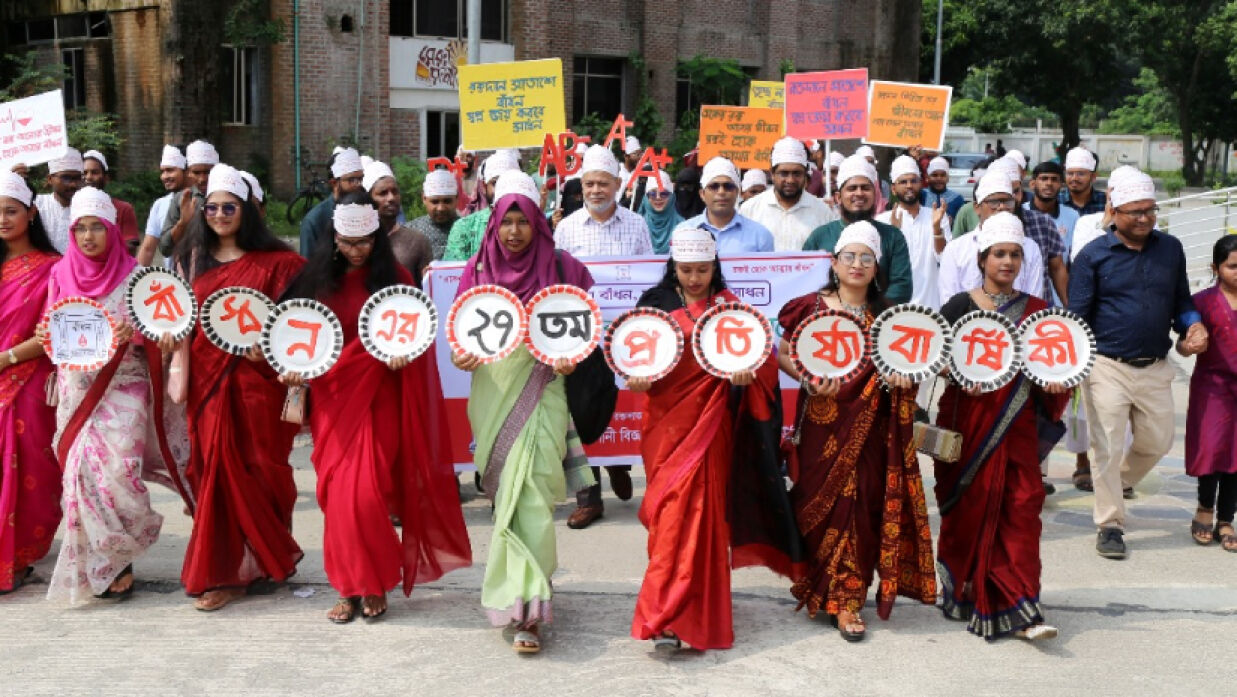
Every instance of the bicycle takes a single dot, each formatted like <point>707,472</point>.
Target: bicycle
<point>309,196</point>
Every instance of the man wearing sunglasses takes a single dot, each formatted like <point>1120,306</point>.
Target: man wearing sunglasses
<point>787,210</point>
<point>64,178</point>
<point>735,232</point>
<point>347,175</point>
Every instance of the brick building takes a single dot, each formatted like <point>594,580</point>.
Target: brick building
<point>379,72</point>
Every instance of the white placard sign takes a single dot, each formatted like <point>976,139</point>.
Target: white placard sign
<point>32,130</point>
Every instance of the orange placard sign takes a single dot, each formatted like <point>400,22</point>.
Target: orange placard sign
<point>901,114</point>
<point>744,135</point>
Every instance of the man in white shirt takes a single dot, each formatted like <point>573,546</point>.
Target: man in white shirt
<point>787,210</point>
<point>923,228</point>
<point>64,178</point>
<point>627,169</point>
<point>172,175</point>
<point>602,227</point>
<point>959,262</point>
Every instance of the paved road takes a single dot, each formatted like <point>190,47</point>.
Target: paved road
<point>1160,623</point>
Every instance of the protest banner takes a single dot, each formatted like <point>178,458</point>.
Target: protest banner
<point>827,105</point>
<point>901,114</point>
<point>766,94</point>
<point>32,130</point>
<point>744,135</point>
<point>511,105</point>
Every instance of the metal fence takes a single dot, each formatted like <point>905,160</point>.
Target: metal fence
<point>1198,220</point>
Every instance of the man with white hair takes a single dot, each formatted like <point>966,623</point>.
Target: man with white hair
<point>602,227</point>
<point>201,157</point>
<point>172,166</point>
<point>857,187</point>
<point>1080,193</point>
<point>95,173</point>
<point>938,188</point>
<point>923,227</point>
<point>347,175</point>
<point>466,233</point>
<point>439,193</point>
<point>1130,286</point>
<point>787,210</point>
<point>959,271</point>
<point>735,232</point>
<point>64,178</point>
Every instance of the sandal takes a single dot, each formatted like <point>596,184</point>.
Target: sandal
<point>349,605</point>
<point>667,641</point>
<point>1228,540</point>
<point>217,599</point>
<point>1200,531</point>
<point>527,640</point>
<point>1082,479</point>
<point>844,627</point>
<point>368,604</point>
<point>122,594</point>
<point>1037,632</point>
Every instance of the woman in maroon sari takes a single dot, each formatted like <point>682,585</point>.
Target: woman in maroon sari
<point>238,467</point>
<point>379,434</point>
<point>715,499</point>
<point>990,499</point>
<point>29,473</point>
<point>858,494</point>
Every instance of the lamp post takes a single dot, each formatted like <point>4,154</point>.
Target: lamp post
<point>940,15</point>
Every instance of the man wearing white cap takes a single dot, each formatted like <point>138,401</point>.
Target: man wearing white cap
<point>1017,158</point>
<point>1095,225</point>
<point>172,175</point>
<point>938,188</point>
<point>968,218</point>
<point>857,187</point>
<point>960,273</point>
<point>735,232</point>
<point>412,247</point>
<point>755,183</point>
<point>439,193</point>
<point>466,233</point>
<point>96,173</point>
<point>923,227</point>
<point>787,210</point>
<point>1080,193</point>
<point>631,158</point>
<point>347,175</point>
<point>882,191</point>
<point>64,177</point>
<point>201,158</point>
<point>602,227</point>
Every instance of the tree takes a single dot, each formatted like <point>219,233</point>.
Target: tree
<point>960,45</point>
<point>1150,111</point>
<point>85,130</point>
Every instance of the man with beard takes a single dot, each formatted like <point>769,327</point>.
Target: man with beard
<point>172,176</point>
<point>959,272</point>
<point>1080,193</point>
<point>938,188</point>
<point>787,210</point>
<point>439,192</point>
<point>466,233</point>
<point>857,183</point>
<point>96,173</point>
<point>64,178</point>
<point>201,157</point>
<point>923,228</point>
<point>347,175</point>
<point>466,181</point>
<point>1046,181</point>
<point>735,233</point>
<point>413,249</point>
<point>631,157</point>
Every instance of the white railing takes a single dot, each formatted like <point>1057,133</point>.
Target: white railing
<point>1198,220</point>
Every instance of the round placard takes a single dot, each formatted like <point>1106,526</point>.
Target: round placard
<point>910,340</point>
<point>233,318</point>
<point>487,322</point>
<point>831,344</point>
<point>160,301</point>
<point>302,336</point>
<point>563,322</point>
<point>730,337</point>
<point>81,335</point>
<point>644,342</point>
<point>1057,346</point>
<point>398,322</point>
<point>984,352</point>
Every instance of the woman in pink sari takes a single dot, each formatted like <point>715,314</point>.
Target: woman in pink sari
<point>29,475</point>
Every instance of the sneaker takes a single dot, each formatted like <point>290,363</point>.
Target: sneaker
<point>1109,543</point>
<point>1127,492</point>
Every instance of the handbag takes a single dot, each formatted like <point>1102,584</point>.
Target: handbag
<point>936,441</point>
<point>295,405</point>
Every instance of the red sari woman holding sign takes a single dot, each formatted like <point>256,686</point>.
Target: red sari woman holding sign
<point>858,496</point>
<point>238,467</point>
<point>29,475</point>
<point>380,437</point>
<point>715,497</point>
<point>990,499</point>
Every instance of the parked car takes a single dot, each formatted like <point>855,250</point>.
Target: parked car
<point>962,166</point>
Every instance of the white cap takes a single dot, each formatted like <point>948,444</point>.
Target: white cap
<point>719,167</point>
<point>689,245</point>
<point>366,161</point>
<point>1018,157</point>
<point>836,159</point>
<point>71,162</point>
<point>856,166</point>
<point>346,161</point>
<point>813,145</point>
<point>995,181</point>
<point>1007,167</point>
<point>95,155</point>
<point>355,220</point>
<point>861,232</point>
<point>902,166</point>
<point>440,182</point>
<point>599,159</point>
<point>1080,158</point>
<point>255,189</point>
<point>667,184</point>
<point>374,171</point>
<point>89,201</point>
<point>865,151</point>
<point>513,181</point>
<point>229,179</point>
<point>1000,228</point>
<point>754,177</point>
<point>631,146</point>
<point>788,151</point>
<point>336,150</point>
<point>199,152</point>
<point>1122,173</point>
<point>172,157</point>
<point>14,187</point>
<point>1132,187</point>
<point>498,163</point>
<point>938,164</point>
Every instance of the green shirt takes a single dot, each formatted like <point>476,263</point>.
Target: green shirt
<point>894,271</point>
<point>465,237</point>
<point>966,221</point>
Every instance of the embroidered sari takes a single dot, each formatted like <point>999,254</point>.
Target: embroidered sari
<point>859,499</point>
<point>990,499</point>
<point>238,467</point>
<point>1211,420</point>
<point>29,474</point>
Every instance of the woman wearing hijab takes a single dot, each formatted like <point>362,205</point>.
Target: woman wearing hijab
<point>659,209</point>
<point>102,420</point>
<point>518,411</point>
<point>687,201</point>
<point>380,435</point>
<point>29,473</point>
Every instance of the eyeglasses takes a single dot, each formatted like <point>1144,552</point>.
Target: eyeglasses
<point>361,244</point>
<point>722,186</point>
<point>865,260</point>
<point>227,209</point>
<point>1141,213</point>
<point>96,229</point>
<point>998,204</point>
<point>658,194</point>
<point>352,181</point>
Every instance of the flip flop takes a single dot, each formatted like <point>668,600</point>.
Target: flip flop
<point>1201,533</point>
<point>1228,542</point>
<point>846,634</point>
<point>352,610</point>
<point>667,643</point>
<point>526,642</point>
<point>230,596</point>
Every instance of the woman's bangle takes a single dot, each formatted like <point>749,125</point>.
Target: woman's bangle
<point>12,357</point>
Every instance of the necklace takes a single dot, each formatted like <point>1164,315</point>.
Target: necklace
<point>999,300</point>
<point>686,311</point>
<point>860,311</point>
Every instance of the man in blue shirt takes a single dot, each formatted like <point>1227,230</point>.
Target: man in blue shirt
<point>938,189</point>
<point>347,175</point>
<point>735,232</point>
<point>1130,286</point>
<point>1080,193</point>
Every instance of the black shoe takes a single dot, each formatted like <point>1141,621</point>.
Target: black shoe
<point>476,479</point>
<point>620,482</point>
<point>1110,544</point>
<point>1127,493</point>
<point>1049,488</point>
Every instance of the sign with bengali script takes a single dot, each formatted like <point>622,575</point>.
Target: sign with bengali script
<point>901,114</point>
<point>827,105</point>
<point>32,130</point>
<point>744,135</point>
<point>511,105</point>
<point>438,63</point>
<point>766,94</point>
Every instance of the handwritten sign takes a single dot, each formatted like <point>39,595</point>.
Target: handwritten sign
<point>984,352</point>
<point>563,322</point>
<point>830,344</point>
<point>643,342</point>
<point>488,322</point>
<point>766,94</point>
<point>901,114</point>
<point>398,321</point>
<point>827,105</point>
<point>1057,347</point>
<point>744,135</point>
<point>910,340</point>
<point>511,105</point>
<point>80,335</point>
<point>731,337</point>
<point>302,336</point>
<point>160,301</point>
<point>32,130</point>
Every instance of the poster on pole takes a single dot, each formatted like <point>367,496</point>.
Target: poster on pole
<point>902,114</point>
<point>32,130</point>
<point>827,105</point>
<point>744,135</point>
<point>511,105</point>
<point>766,94</point>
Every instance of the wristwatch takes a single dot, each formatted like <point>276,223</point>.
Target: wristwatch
<point>12,357</point>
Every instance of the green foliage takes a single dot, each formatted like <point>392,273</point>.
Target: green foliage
<point>714,80</point>
<point>995,114</point>
<point>277,221</point>
<point>593,126</point>
<point>86,130</point>
<point>410,174</point>
<point>685,138</point>
<point>248,23</point>
<point>140,189</point>
<point>785,66</point>
<point>1150,112</point>
<point>647,121</point>
<point>1173,183</point>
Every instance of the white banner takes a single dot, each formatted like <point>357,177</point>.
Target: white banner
<point>32,130</point>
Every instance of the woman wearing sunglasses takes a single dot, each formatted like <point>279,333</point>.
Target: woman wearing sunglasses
<point>658,209</point>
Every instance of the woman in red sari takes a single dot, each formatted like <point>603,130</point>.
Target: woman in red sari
<point>990,499</point>
<point>29,473</point>
<point>238,467</point>
<point>379,434</point>
<point>858,494</point>
<point>715,497</point>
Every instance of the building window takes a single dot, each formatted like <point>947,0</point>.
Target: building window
<point>442,133</point>
<point>597,87</point>
<point>74,60</point>
<point>239,78</point>
<point>83,25</point>
<point>448,19</point>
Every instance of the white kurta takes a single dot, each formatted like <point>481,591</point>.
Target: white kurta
<point>55,219</point>
<point>925,261</point>
<point>790,227</point>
